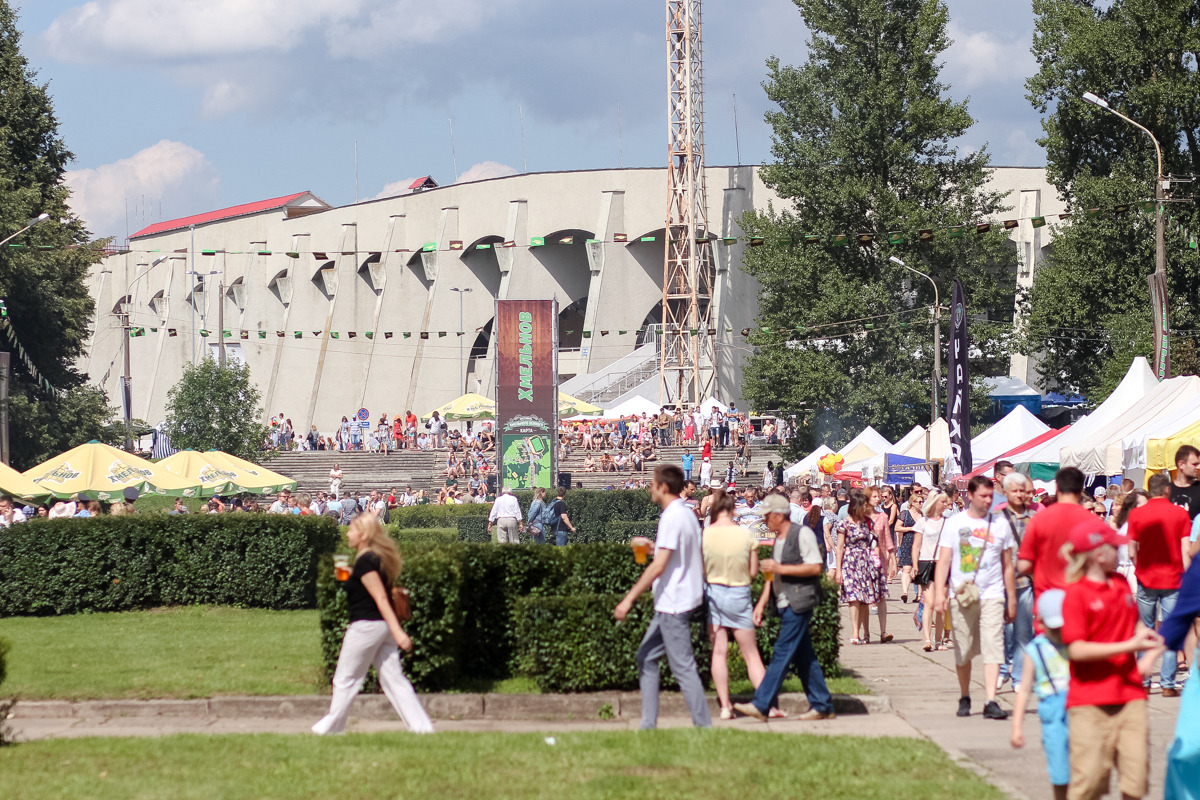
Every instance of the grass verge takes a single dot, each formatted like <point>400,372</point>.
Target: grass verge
<point>191,651</point>
<point>618,764</point>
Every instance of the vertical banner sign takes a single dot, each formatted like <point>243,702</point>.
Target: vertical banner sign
<point>527,391</point>
<point>958,395</point>
<point>1162,328</point>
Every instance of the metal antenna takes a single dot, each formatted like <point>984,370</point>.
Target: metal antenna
<point>736,141</point>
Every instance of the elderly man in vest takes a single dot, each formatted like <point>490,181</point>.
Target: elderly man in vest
<point>795,571</point>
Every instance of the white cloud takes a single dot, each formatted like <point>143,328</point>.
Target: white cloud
<point>981,58</point>
<point>396,188</point>
<point>484,170</point>
<point>167,169</point>
<point>1021,149</point>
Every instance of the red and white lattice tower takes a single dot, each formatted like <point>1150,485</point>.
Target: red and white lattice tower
<point>686,365</point>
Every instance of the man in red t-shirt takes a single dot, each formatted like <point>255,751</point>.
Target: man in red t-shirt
<point>1106,702</point>
<point>1159,538</point>
<point>1047,531</point>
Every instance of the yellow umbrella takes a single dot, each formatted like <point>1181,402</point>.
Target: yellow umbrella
<point>469,406</point>
<point>103,472</point>
<point>250,476</point>
<point>16,484</point>
<point>199,469</point>
<point>1160,453</point>
<point>573,407</point>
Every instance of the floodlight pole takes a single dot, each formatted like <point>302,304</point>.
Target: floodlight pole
<point>462,375</point>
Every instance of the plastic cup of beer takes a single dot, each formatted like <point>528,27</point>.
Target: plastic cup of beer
<point>767,576</point>
<point>341,567</point>
<point>640,550</point>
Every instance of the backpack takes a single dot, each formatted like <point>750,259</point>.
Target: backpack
<point>547,516</point>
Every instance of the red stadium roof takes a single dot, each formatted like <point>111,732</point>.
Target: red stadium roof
<point>225,213</point>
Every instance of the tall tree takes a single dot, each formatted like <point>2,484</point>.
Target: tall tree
<point>215,407</point>
<point>1089,311</point>
<point>863,142</point>
<point>42,283</point>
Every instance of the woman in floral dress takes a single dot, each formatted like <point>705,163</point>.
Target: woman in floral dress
<point>858,569</point>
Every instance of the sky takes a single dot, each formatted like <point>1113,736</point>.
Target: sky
<point>175,107</point>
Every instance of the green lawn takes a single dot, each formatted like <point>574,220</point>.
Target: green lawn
<point>198,651</point>
<point>194,651</point>
<point>616,764</point>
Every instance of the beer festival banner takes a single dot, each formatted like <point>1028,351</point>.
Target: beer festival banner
<point>527,391</point>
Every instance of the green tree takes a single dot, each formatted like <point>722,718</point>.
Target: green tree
<point>216,408</point>
<point>48,304</point>
<point>1089,310</point>
<point>863,142</point>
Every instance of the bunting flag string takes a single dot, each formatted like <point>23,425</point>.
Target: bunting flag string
<point>18,349</point>
<point>895,238</point>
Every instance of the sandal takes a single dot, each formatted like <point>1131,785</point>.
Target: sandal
<point>886,638</point>
<point>943,645</point>
<point>776,713</point>
<point>865,640</point>
<point>928,646</point>
<point>855,641</point>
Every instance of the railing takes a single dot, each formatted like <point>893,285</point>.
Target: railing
<point>609,387</point>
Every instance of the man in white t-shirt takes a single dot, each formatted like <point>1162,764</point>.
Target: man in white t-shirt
<point>677,576</point>
<point>975,554</point>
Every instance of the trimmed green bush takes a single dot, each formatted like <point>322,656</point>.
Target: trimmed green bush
<point>70,566</point>
<point>435,516</point>
<point>473,529</point>
<point>492,612</point>
<point>425,535</point>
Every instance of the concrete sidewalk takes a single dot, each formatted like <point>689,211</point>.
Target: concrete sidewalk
<point>923,689</point>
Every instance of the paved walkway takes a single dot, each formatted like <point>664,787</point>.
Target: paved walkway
<point>923,690</point>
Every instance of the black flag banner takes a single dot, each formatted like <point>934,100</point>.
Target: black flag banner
<point>1162,334</point>
<point>958,396</point>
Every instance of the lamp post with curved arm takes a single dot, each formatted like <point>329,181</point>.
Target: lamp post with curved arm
<point>1162,347</point>
<point>937,348</point>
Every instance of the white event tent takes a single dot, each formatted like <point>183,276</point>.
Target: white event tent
<point>1017,426</point>
<point>869,442</point>
<point>1133,446</point>
<point>1100,451</point>
<point>806,464</point>
<point>633,406</point>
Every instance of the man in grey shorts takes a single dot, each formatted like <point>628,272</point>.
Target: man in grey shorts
<point>677,576</point>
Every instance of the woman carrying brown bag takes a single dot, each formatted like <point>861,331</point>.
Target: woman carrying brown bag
<point>374,633</point>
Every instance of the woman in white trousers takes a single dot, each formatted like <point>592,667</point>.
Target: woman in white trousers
<point>374,633</point>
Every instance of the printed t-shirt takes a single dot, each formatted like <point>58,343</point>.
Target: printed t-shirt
<point>680,587</point>
<point>1045,534</point>
<point>977,547</point>
<point>726,551</point>
<point>1187,497</point>
<point>1052,671</point>
<point>358,600</point>
<point>1159,527</point>
<point>1102,612</point>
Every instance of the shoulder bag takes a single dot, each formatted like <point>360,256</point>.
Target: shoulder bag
<point>400,604</point>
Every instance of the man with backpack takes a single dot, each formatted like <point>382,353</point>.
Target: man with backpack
<point>560,518</point>
<point>796,568</point>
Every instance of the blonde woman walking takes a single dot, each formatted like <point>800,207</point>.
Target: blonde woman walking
<point>374,633</point>
<point>926,534</point>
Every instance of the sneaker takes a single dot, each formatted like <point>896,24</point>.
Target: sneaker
<point>992,710</point>
<point>813,714</point>
<point>1001,679</point>
<point>726,713</point>
<point>1170,691</point>
<point>964,706</point>
<point>749,710</point>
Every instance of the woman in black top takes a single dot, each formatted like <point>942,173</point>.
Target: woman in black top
<point>374,632</point>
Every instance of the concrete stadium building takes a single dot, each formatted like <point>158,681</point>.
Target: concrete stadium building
<point>375,271</point>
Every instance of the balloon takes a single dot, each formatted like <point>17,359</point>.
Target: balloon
<point>830,463</point>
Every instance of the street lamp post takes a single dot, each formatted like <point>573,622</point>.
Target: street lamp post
<point>462,375</point>
<point>937,348</point>
<point>1162,355</point>
<point>5,370</point>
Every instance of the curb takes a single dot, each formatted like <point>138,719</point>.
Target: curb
<point>502,707</point>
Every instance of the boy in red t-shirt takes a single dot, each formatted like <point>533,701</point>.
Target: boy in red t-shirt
<point>1106,702</point>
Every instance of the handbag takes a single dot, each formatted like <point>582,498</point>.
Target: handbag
<point>400,604</point>
<point>926,573</point>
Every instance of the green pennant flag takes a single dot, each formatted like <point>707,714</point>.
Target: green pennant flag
<point>1037,222</point>
<point>204,333</point>
<point>647,239</point>
<point>728,240</point>
<point>785,240</point>
<point>483,247</point>
<point>895,238</point>
<point>406,334</point>
<point>957,231</point>
<point>587,334</point>
<point>264,252</point>
<point>292,254</point>
<point>1149,206</point>
<point>154,330</point>
<point>1192,244</point>
<point>537,241</point>
<point>441,334</point>
<point>369,334</point>
<point>693,332</point>
<point>262,334</point>
<point>1092,213</point>
<point>227,333</point>
<point>622,333</point>
<point>840,238</point>
<point>208,252</point>
<point>333,335</point>
<point>298,334</point>
<point>429,248</point>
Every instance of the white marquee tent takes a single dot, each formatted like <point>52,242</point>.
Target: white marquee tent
<point>806,464</point>
<point>869,442</point>
<point>1018,426</point>
<point>1133,446</point>
<point>634,405</point>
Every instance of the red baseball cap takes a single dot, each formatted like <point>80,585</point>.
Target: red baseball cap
<point>1090,534</point>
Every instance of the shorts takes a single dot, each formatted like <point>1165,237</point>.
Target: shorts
<point>1052,711</point>
<point>1103,737</point>
<point>978,630</point>
<point>730,606</point>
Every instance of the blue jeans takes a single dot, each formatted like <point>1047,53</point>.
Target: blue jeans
<point>1155,605</point>
<point>1019,634</point>
<point>560,536</point>
<point>794,645</point>
<point>687,475</point>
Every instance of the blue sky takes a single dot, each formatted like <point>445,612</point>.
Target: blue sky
<point>200,104</point>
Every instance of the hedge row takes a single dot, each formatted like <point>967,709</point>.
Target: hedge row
<point>474,530</point>
<point>485,612</point>
<point>70,566</point>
